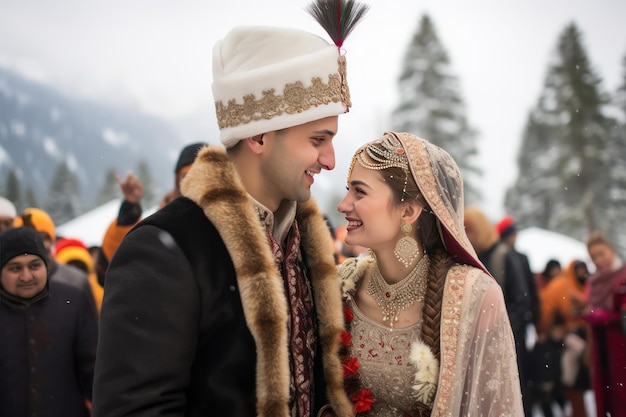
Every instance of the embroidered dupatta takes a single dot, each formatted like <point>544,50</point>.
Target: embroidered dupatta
<point>478,372</point>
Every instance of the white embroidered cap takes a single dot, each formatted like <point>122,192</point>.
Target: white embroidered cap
<point>268,78</point>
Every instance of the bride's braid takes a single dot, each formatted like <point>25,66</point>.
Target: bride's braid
<point>440,262</point>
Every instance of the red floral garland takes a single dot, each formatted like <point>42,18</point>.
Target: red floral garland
<point>362,398</point>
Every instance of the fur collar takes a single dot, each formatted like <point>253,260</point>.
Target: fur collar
<point>213,184</point>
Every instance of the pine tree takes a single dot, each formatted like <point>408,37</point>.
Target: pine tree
<point>13,191</point>
<point>617,153</point>
<point>620,95</point>
<point>564,159</point>
<point>110,189</point>
<point>64,200</point>
<point>532,198</point>
<point>150,190</point>
<point>30,200</point>
<point>431,105</point>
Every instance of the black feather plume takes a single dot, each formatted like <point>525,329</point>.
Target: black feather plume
<point>337,17</point>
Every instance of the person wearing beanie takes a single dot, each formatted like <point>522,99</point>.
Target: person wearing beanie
<point>73,252</point>
<point>7,214</point>
<point>15,243</point>
<point>42,222</point>
<point>185,159</point>
<point>38,220</point>
<point>48,334</point>
<point>507,229</point>
<point>520,295</point>
<point>225,301</point>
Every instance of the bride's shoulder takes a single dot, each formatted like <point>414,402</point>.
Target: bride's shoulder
<point>351,271</point>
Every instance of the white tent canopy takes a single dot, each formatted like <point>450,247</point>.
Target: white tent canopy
<point>541,245</point>
<point>91,226</point>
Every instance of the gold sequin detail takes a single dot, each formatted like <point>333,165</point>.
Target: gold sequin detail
<point>295,98</point>
<point>394,298</point>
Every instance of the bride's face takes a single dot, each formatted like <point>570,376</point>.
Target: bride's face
<point>373,220</point>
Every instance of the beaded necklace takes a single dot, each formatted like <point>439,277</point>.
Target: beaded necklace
<point>397,297</point>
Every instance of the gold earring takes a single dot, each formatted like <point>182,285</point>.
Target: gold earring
<point>406,248</point>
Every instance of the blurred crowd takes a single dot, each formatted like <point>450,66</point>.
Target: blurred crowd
<point>569,325</point>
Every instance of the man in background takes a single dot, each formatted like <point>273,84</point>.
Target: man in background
<point>507,228</point>
<point>48,334</point>
<point>42,222</point>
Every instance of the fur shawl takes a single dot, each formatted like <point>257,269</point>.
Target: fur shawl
<point>215,186</point>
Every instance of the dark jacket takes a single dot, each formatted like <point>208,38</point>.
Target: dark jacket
<point>510,269</point>
<point>194,318</point>
<point>47,353</point>
<point>520,294</point>
<point>73,276</point>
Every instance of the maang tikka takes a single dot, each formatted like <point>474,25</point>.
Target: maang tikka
<point>406,249</point>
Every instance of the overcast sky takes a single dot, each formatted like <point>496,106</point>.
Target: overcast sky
<point>155,55</point>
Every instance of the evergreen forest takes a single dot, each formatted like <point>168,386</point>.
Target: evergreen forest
<point>571,163</point>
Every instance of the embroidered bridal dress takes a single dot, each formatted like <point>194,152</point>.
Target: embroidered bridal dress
<point>475,372</point>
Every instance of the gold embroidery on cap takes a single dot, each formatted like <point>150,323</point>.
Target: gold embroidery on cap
<point>345,91</point>
<point>295,99</point>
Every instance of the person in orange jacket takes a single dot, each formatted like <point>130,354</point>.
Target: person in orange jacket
<point>565,293</point>
<point>562,306</point>
<point>74,252</point>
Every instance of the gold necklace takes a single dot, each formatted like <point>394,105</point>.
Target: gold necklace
<point>397,297</point>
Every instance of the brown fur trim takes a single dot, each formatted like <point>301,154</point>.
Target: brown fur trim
<point>214,185</point>
<point>318,245</point>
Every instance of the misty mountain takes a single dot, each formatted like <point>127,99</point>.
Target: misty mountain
<point>40,128</point>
